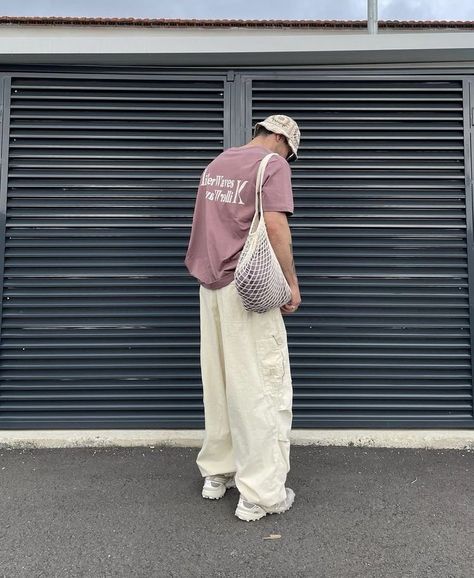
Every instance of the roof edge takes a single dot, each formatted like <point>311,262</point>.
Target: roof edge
<point>231,23</point>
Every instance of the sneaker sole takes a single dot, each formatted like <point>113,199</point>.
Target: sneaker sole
<point>218,493</point>
<point>247,516</point>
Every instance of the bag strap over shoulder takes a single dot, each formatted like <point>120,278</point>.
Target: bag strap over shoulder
<point>259,183</point>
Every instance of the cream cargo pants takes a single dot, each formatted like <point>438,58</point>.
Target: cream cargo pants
<point>247,395</point>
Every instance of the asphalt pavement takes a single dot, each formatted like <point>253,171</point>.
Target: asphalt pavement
<point>138,512</point>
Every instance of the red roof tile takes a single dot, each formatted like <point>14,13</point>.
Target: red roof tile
<point>195,23</point>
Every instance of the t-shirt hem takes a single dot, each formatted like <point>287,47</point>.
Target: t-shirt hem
<point>223,282</point>
<point>286,210</point>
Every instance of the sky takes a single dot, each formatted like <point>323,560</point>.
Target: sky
<point>244,9</point>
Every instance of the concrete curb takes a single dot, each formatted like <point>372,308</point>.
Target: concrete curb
<point>403,438</point>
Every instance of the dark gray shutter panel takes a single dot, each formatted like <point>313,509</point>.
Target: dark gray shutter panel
<point>382,337</point>
<point>100,319</point>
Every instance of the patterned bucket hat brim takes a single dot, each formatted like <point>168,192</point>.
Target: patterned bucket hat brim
<point>282,124</point>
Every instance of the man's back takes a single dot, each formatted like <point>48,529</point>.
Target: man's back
<point>225,205</point>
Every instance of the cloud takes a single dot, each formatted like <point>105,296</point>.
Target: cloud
<point>426,10</point>
<point>245,9</point>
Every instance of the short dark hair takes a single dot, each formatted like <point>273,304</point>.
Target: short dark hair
<point>262,131</point>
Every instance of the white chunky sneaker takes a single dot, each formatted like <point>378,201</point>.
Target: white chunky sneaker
<point>250,512</point>
<point>216,486</point>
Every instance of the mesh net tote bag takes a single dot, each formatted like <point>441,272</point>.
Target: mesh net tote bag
<point>259,279</point>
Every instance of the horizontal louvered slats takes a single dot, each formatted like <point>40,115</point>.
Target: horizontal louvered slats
<point>100,319</point>
<point>383,336</point>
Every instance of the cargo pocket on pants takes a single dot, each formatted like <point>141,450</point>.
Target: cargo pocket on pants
<point>274,369</point>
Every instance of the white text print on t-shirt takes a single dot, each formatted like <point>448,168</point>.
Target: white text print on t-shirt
<point>223,190</point>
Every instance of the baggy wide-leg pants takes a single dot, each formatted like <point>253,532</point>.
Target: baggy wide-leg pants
<point>247,395</point>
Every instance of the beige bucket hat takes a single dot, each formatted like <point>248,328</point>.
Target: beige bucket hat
<point>281,124</point>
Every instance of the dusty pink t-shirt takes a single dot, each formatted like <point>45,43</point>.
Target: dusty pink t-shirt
<point>225,206</point>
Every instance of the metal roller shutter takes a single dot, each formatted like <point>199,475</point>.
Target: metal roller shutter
<point>383,337</point>
<point>100,320</point>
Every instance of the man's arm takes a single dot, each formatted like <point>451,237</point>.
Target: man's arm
<point>280,238</point>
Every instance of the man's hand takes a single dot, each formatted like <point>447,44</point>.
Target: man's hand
<point>280,239</point>
<point>295,302</point>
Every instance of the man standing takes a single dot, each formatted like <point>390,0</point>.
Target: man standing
<point>244,355</point>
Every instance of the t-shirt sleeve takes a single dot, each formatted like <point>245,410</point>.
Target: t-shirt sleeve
<point>277,192</point>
